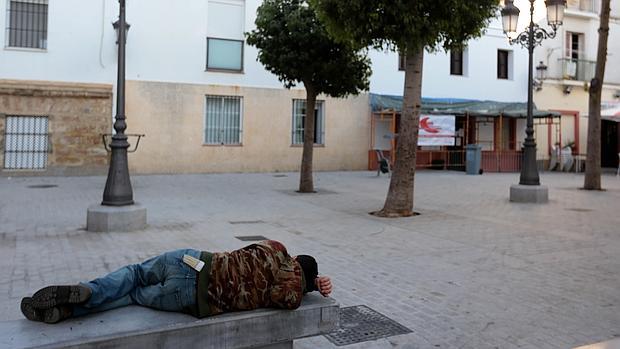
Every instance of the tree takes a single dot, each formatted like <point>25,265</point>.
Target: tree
<point>592,180</point>
<point>410,27</point>
<point>295,46</point>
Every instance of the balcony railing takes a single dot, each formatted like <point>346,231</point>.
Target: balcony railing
<point>577,69</point>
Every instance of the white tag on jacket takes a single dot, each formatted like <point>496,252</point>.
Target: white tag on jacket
<point>193,262</point>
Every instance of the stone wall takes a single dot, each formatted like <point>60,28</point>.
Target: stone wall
<point>172,115</point>
<point>78,114</point>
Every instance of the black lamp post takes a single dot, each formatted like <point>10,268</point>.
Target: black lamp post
<point>530,38</point>
<point>118,191</point>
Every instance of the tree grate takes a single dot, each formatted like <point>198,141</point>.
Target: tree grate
<point>361,324</point>
<point>251,238</point>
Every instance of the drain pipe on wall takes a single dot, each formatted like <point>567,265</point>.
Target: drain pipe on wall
<point>102,34</point>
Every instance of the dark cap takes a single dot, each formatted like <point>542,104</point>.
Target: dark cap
<point>310,270</point>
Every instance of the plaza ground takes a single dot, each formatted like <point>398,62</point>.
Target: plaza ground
<point>472,271</point>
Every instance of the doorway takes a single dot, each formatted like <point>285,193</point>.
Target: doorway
<point>609,144</point>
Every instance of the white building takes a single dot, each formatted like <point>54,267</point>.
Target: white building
<point>570,59</point>
<point>196,90</point>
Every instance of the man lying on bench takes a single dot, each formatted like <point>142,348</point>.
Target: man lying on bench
<point>190,281</point>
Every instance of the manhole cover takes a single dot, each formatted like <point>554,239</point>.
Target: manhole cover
<point>360,324</point>
<point>42,186</point>
<point>579,209</point>
<point>251,238</point>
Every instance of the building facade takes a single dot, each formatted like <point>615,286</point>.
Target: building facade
<point>570,60</point>
<point>196,90</point>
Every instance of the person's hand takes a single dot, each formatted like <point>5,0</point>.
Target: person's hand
<point>324,284</point>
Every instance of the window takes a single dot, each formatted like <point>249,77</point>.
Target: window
<point>503,64</point>
<point>27,20</point>
<point>299,117</point>
<point>456,62</point>
<point>224,54</point>
<point>26,142</point>
<point>223,122</point>
<point>225,35</point>
<point>574,45</point>
<point>402,62</point>
<point>576,67</point>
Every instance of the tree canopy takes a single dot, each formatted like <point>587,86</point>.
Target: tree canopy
<point>295,46</point>
<point>402,24</point>
<point>411,27</point>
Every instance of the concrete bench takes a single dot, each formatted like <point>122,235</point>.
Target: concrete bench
<point>611,344</point>
<point>139,327</point>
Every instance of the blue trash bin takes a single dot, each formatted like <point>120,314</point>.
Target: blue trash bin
<point>473,159</point>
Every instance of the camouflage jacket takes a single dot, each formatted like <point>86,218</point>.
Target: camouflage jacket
<point>256,276</point>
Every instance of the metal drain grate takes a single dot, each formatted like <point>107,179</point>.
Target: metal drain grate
<point>246,222</point>
<point>251,238</point>
<point>360,324</point>
<point>577,209</point>
<point>42,186</point>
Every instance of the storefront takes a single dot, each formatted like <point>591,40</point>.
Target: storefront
<point>610,134</point>
<point>447,125</point>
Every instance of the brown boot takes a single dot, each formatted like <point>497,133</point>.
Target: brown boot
<point>51,296</point>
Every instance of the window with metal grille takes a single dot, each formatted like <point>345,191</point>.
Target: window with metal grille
<point>223,120</point>
<point>402,62</point>
<point>299,119</point>
<point>27,23</point>
<point>26,142</point>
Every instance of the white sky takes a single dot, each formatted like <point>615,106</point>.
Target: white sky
<point>540,12</point>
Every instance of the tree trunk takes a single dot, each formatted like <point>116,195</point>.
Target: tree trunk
<point>592,180</point>
<point>399,201</point>
<point>306,184</point>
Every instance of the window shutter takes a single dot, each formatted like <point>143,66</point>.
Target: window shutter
<point>27,25</point>
<point>27,142</point>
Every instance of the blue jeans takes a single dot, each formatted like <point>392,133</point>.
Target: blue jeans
<point>163,282</point>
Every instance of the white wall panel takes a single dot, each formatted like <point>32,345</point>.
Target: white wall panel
<point>479,83</point>
<point>226,19</point>
<point>167,42</point>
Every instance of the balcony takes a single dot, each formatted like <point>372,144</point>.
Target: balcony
<point>577,69</point>
<point>591,6</point>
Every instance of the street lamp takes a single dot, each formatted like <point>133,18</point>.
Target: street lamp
<point>541,71</point>
<point>530,38</point>
<point>118,191</point>
<point>541,75</point>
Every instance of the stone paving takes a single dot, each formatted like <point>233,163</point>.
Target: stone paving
<point>472,271</point>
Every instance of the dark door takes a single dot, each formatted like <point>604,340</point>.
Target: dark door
<point>609,143</point>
